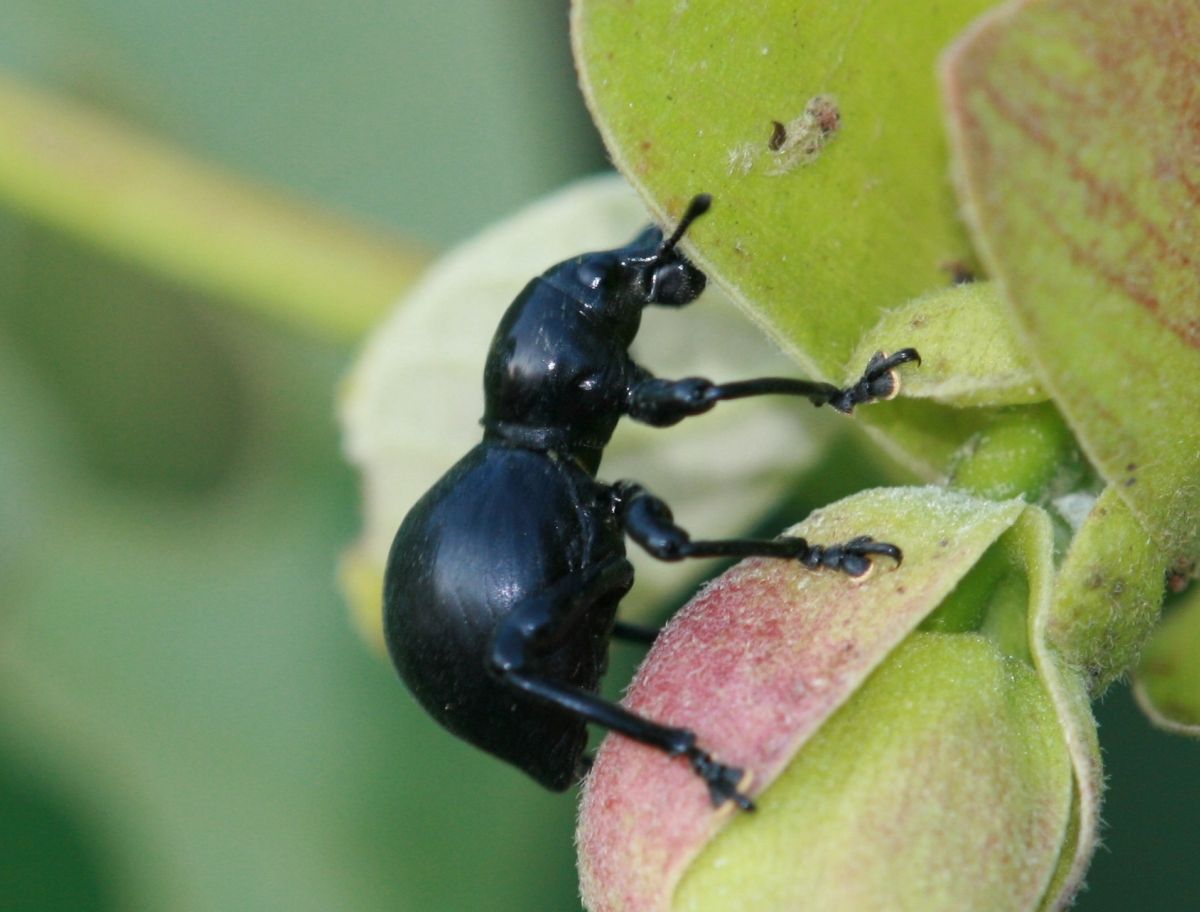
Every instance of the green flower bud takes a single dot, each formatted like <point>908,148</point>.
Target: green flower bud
<point>1108,592</point>
<point>943,783</point>
<point>908,749</point>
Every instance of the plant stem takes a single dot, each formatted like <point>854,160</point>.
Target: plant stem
<point>86,174</point>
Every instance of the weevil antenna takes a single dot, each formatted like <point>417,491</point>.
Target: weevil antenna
<point>699,205</point>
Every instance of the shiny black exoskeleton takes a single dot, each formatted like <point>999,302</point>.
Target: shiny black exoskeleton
<point>503,582</point>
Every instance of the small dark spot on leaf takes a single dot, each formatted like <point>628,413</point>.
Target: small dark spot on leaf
<point>778,136</point>
<point>826,112</point>
<point>645,145</point>
<point>1095,579</point>
<point>1131,467</point>
<point>1179,576</point>
<point>916,322</point>
<point>944,543</point>
<point>801,140</point>
<point>960,273</point>
<point>1130,481</point>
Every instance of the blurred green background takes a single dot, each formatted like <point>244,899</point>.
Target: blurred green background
<point>187,719</point>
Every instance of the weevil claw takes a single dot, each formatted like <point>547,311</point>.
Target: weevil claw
<point>879,382</point>
<point>725,783</point>
<point>854,557</point>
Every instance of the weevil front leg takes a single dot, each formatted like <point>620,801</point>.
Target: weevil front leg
<point>649,522</point>
<point>662,403</point>
<point>541,622</point>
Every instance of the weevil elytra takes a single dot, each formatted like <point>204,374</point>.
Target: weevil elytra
<point>503,581</point>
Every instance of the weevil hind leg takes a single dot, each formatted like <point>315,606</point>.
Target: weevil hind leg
<point>535,626</point>
<point>725,783</point>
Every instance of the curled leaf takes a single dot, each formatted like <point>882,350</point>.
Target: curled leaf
<point>1167,684</point>
<point>971,367</point>
<point>755,665</point>
<point>1108,593</point>
<point>943,784</point>
<point>941,769</point>
<point>1031,543</point>
<point>969,355</point>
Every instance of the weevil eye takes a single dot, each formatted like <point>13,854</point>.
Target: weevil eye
<point>675,284</point>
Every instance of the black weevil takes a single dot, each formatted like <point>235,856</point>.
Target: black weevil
<point>502,584</point>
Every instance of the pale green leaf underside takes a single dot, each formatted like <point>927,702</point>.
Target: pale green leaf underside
<point>970,363</point>
<point>1074,130</point>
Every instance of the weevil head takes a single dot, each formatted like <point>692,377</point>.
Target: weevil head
<point>656,271</point>
<point>617,284</point>
<point>554,377</point>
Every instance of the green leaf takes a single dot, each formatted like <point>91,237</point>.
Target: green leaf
<point>851,213</point>
<point>1074,132</point>
<point>1030,543</point>
<point>924,435</point>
